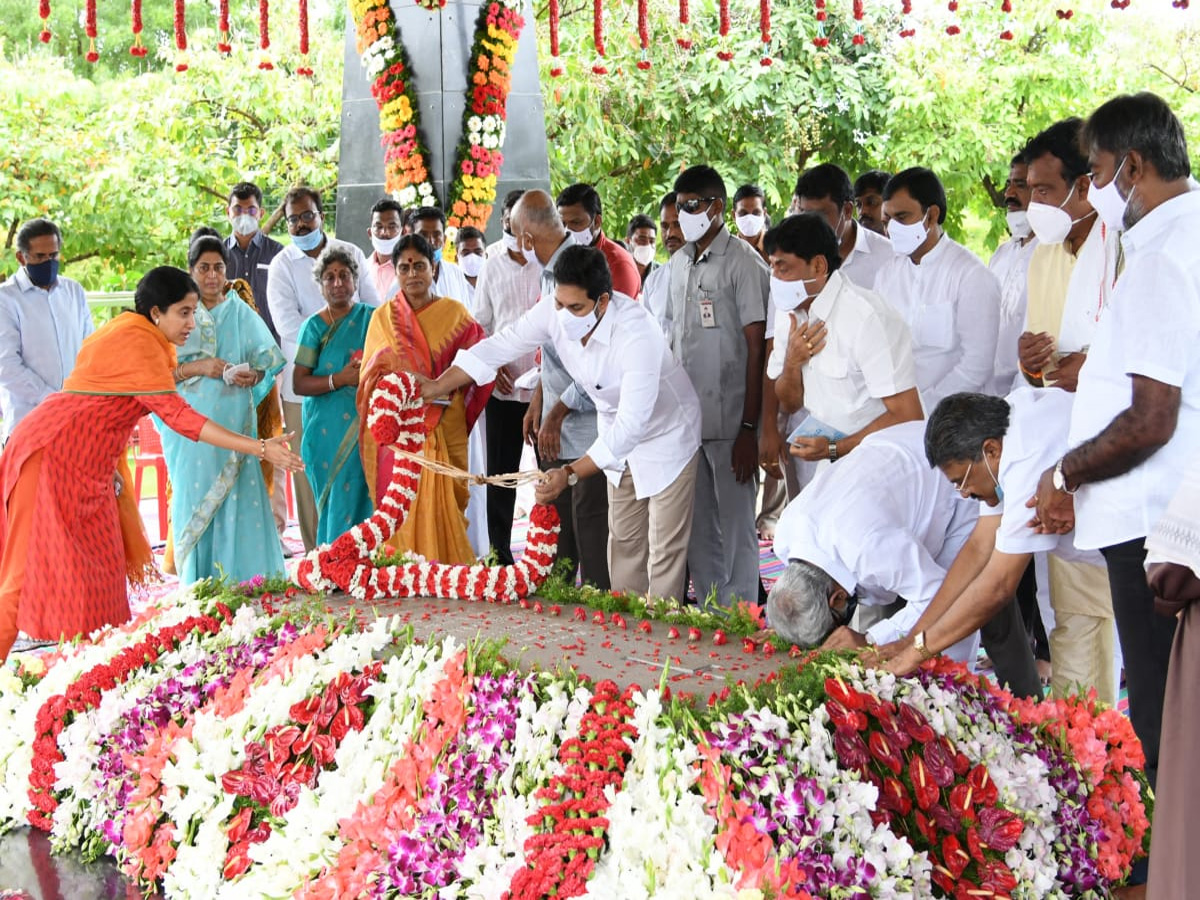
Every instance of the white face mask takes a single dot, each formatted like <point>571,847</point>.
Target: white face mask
<point>472,264</point>
<point>511,243</point>
<point>244,224</point>
<point>583,238</point>
<point>1018,223</point>
<point>907,238</point>
<point>384,246</point>
<point>694,225</point>
<point>531,258</point>
<point>787,295</point>
<point>1052,224</point>
<point>643,254</point>
<point>576,328</point>
<point>1108,202</point>
<point>750,225</point>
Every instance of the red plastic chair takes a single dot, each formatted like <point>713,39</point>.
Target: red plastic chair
<point>148,452</point>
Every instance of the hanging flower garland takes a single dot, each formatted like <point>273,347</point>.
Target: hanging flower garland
<point>598,36</point>
<point>764,30</point>
<point>135,25</point>
<point>304,68</point>
<point>180,37</point>
<point>405,173</point>
<point>89,28</point>
<point>643,26</point>
<point>489,78</point>
<point>556,68</point>
<point>44,13</point>
<point>821,40</point>
<point>431,5</point>
<point>685,18</point>
<point>264,35</point>
<point>953,29</point>
<point>1006,8</point>
<point>397,418</point>
<point>723,30</point>
<point>906,31</point>
<point>859,8</point>
<point>223,45</point>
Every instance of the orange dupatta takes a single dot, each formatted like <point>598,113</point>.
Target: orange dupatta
<point>128,355</point>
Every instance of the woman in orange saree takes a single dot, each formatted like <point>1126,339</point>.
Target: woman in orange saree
<point>417,331</point>
<point>70,535</point>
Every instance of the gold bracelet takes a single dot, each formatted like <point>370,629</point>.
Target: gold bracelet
<point>179,372</point>
<point>263,448</point>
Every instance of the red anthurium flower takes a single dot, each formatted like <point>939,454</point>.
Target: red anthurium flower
<point>884,752</point>
<point>986,792</point>
<point>962,801</point>
<point>999,829</point>
<point>954,856</point>
<point>995,874</point>
<point>925,789</point>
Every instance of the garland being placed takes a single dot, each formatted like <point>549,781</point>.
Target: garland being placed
<point>397,417</point>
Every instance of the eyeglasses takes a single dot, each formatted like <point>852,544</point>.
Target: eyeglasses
<point>416,268</point>
<point>694,206</point>
<point>962,485</point>
<point>304,217</point>
<point>247,211</point>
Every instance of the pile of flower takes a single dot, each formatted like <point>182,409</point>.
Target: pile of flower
<point>217,750</point>
<point>351,563</point>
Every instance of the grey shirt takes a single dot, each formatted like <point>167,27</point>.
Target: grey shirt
<point>251,265</point>
<point>713,299</point>
<point>579,428</point>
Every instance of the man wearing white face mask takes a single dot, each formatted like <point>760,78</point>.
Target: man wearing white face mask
<point>649,417</point>
<point>469,249</point>
<point>949,299</point>
<point>750,215</point>
<point>1135,425</point>
<point>384,232</point>
<point>250,251</point>
<point>1010,265</point>
<point>826,189</point>
<point>839,350</point>
<point>719,289</point>
<point>641,236</point>
<point>579,206</point>
<point>1073,269</point>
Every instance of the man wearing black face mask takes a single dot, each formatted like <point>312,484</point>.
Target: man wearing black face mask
<point>44,318</point>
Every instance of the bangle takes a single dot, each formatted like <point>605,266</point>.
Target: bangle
<point>179,372</point>
<point>262,442</point>
<point>1034,375</point>
<point>833,452</point>
<point>332,386</point>
<point>749,426</point>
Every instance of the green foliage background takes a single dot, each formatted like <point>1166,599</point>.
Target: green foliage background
<point>129,156</point>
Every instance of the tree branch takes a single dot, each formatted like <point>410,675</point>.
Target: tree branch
<point>12,232</point>
<point>82,256</point>
<point>224,198</point>
<point>254,120</point>
<point>1171,78</point>
<point>994,191</point>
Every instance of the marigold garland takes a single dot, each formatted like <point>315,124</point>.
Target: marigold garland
<point>471,194</point>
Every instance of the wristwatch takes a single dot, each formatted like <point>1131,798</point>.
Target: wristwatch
<point>833,451</point>
<point>919,646</point>
<point>1060,480</point>
<point>572,478</point>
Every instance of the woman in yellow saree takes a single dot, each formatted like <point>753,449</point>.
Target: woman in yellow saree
<point>417,331</point>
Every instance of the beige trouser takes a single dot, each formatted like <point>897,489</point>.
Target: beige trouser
<point>648,538</point>
<point>306,504</point>
<point>1082,643</point>
<point>279,499</point>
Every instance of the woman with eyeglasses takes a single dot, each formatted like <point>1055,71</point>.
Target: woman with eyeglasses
<point>221,517</point>
<point>326,375</point>
<point>418,331</point>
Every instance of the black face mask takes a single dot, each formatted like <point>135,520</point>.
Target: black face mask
<point>843,617</point>
<point>43,274</point>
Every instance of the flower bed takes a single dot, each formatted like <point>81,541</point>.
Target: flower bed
<point>215,750</point>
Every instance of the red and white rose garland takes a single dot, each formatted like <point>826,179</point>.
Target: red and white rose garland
<point>396,417</point>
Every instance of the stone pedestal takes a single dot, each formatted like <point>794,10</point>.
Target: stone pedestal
<point>438,44</point>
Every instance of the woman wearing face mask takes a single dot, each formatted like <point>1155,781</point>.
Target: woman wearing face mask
<point>326,375</point>
<point>418,331</point>
<point>70,537</point>
<point>221,520</point>
<point>648,415</point>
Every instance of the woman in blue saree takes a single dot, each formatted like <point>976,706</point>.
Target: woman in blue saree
<point>326,376</point>
<point>220,510</point>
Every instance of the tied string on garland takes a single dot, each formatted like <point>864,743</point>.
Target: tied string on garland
<point>180,37</point>
<point>89,28</point>
<point>135,25</point>
<point>304,68</point>
<point>510,480</point>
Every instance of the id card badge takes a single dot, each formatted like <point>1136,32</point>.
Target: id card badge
<point>708,314</point>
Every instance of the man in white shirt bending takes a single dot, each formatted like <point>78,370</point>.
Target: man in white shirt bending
<point>293,296</point>
<point>878,526</point>
<point>44,318</point>
<point>949,299</point>
<point>647,410</point>
<point>994,450</point>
